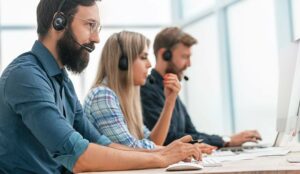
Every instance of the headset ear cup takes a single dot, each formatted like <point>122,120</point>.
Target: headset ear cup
<point>59,21</point>
<point>167,55</point>
<point>123,63</point>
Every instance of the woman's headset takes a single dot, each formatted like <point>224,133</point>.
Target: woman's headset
<point>123,61</point>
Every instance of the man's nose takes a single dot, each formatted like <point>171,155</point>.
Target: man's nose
<point>188,63</point>
<point>95,37</point>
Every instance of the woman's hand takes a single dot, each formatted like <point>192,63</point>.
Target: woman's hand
<point>172,86</point>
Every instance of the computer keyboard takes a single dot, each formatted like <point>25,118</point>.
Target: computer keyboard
<point>240,149</point>
<point>210,162</point>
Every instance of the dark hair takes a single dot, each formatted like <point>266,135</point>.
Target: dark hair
<point>47,8</point>
<point>169,37</point>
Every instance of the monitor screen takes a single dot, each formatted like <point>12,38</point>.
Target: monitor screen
<point>288,105</point>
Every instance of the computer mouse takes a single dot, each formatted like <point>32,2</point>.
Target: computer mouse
<point>249,144</point>
<point>184,166</point>
<point>293,159</point>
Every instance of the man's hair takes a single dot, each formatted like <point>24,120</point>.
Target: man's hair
<point>47,8</point>
<point>171,36</point>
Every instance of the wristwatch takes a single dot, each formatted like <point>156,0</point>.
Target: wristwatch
<point>226,140</point>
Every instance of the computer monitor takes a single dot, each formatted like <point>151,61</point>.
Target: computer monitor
<point>288,105</point>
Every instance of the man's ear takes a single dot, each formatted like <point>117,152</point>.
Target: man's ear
<point>55,33</point>
<point>160,52</point>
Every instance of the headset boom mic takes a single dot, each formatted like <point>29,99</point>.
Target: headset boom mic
<point>186,78</point>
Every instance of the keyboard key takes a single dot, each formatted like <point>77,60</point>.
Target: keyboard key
<point>210,162</point>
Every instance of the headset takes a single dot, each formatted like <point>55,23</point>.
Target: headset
<point>123,61</point>
<point>167,55</point>
<point>59,19</point>
<point>60,22</point>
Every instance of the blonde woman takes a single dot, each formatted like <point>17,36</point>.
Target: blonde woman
<point>113,105</point>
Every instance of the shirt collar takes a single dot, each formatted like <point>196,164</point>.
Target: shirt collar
<point>46,59</point>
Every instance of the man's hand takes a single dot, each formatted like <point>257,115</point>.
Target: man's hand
<point>245,136</point>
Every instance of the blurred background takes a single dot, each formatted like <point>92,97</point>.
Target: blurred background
<point>234,74</point>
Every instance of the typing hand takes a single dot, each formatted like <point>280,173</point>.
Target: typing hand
<point>206,148</point>
<point>196,141</point>
<point>245,136</point>
<point>179,150</point>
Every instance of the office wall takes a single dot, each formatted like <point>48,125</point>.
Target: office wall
<point>204,96</point>
<point>192,8</point>
<point>254,60</point>
<point>136,12</point>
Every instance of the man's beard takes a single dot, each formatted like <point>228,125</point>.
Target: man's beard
<point>72,56</point>
<point>171,68</point>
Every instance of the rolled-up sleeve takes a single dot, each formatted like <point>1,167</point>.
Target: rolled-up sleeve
<point>73,147</point>
<point>28,92</point>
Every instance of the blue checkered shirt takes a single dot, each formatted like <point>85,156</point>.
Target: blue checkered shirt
<point>103,109</point>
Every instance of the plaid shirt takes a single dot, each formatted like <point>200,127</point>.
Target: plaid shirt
<point>103,109</point>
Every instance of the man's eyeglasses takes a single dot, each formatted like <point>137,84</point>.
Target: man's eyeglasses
<point>94,25</point>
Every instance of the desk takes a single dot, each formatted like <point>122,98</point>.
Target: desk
<point>260,165</point>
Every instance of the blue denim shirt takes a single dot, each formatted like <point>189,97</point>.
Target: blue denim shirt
<point>42,126</point>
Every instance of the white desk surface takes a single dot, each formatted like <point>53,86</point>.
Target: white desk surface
<point>259,165</point>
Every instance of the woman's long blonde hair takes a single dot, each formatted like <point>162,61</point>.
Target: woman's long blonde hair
<point>121,82</point>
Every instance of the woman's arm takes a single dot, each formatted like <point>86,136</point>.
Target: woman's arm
<point>171,89</point>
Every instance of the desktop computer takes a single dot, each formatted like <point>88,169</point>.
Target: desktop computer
<point>288,105</point>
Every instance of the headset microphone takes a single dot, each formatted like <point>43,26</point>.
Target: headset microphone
<point>89,49</point>
<point>186,78</point>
